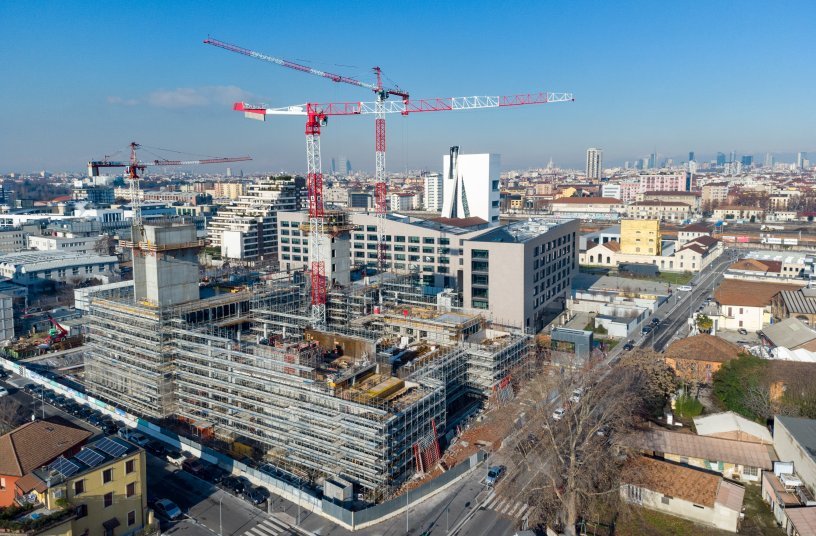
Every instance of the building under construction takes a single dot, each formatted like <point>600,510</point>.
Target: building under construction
<point>365,398</point>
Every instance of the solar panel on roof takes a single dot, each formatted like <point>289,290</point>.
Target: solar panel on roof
<point>90,457</point>
<point>64,467</point>
<point>111,447</point>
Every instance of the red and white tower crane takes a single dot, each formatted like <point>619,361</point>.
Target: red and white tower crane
<point>382,93</point>
<point>317,116</point>
<point>134,167</point>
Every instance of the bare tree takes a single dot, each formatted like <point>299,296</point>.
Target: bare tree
<point>576,459</point>
<point>12,414</point>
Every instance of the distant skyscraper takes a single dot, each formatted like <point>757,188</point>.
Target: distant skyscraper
<point>343,165</point>
<point>747,160</point>
<point>594,164</point>
<point>333,166</point>
<point>348,166</point>
<point>691,157</point>
<point>732,157</point>
<point>639,163</point>
<point>769,160</point>
<point>801,157</point>
<point>229,172</point>
<point>720,159</point>
<point>652,161</point>
<point>433,192</point>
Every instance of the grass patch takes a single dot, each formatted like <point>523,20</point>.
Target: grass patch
<point>759,521</point>
<point>687,407</point>
<point>676,278</point>
<point>609,344</point>
<point>634,521</point>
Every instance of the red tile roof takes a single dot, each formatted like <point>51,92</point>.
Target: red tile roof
<point>588,200</point>
<point>748,293</point>
<point>703,348</point>
<point>37,443</point>
<point>692,485</point>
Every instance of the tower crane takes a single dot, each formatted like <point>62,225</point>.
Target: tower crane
<point>134,167</point>
<point>317,116</point>
<point>382,93</point>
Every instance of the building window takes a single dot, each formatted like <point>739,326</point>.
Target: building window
<point>79,487</point>
<point>666,499</point>
<point>131,518</point>
<point>81,511</point>
<point>750,471</point>
<point>108,499</point>
<point>130,466</point>
<point>107,476</point>
<point>131,490</point>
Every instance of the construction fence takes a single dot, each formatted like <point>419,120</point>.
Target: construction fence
<point>352,520</point>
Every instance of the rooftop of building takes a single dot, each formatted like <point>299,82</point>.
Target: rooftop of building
<point>34,444</point>
<point>802,300</point>
<point>588,200</point>
<point>748,293</point>
<point>802,519</point>
<point>786,257</point>
<point>755,265</point>
<point>705,448</point>
<point>703,347</point>
<point>789,333</point>
<point>673,193</point>
<point>101,452</point>
<point>695,228</point>
<point>692,485</point>
<point>728,421</point>
<point>803,432</point>
<point>21,258</point>
<point>660,203</point>
<point>519,232</point>
<point>462,223</point>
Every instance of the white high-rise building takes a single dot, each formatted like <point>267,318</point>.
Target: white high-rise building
<point>433,192</point>
<point>801,159</point>
<point>594,164</point>
<point>471,186</point>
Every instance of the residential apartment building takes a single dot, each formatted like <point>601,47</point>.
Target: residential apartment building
<point>104,485</point>
<point>670,211</point>
<point>736,212</point>
<point>594,164</point>
<point>33,446</point>
<point>247,228</point>
<point>229,190</point>
<point>12,240</point>
<point>675,181</point>
<point>640,237</point>
<point>714,193</point>
<point>692,199</point>
<point>434,186</point>
<point>746,304</point>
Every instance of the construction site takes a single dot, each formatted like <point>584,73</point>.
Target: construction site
<point>371,397</point>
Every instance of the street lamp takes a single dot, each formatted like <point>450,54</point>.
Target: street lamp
<point>220,519</point>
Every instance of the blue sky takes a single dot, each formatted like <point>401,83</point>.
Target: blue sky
<point>82,79</point>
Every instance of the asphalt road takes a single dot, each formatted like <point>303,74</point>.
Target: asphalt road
<point>676,319</point>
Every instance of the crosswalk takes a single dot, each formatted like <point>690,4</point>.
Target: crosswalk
<point>507,507</point>
<point>270,526</point>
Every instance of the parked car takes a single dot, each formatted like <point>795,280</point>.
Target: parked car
<point>176,457</point>
<point>655,321</point>
<point>646,330</point>
<point>167,509</point>
<point>558,414</point>
<point>742,331</point>
<point>156,448</point>
<point>494,474</point>
<point>627,347</point>
<point>257,495</point>
<point>233,485</point>
<point>193,466</point>
<point>3,392</point>
<point>214,474</point>
<point>576,396</point>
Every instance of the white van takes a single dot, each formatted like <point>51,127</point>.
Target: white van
<point>684,288</point>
